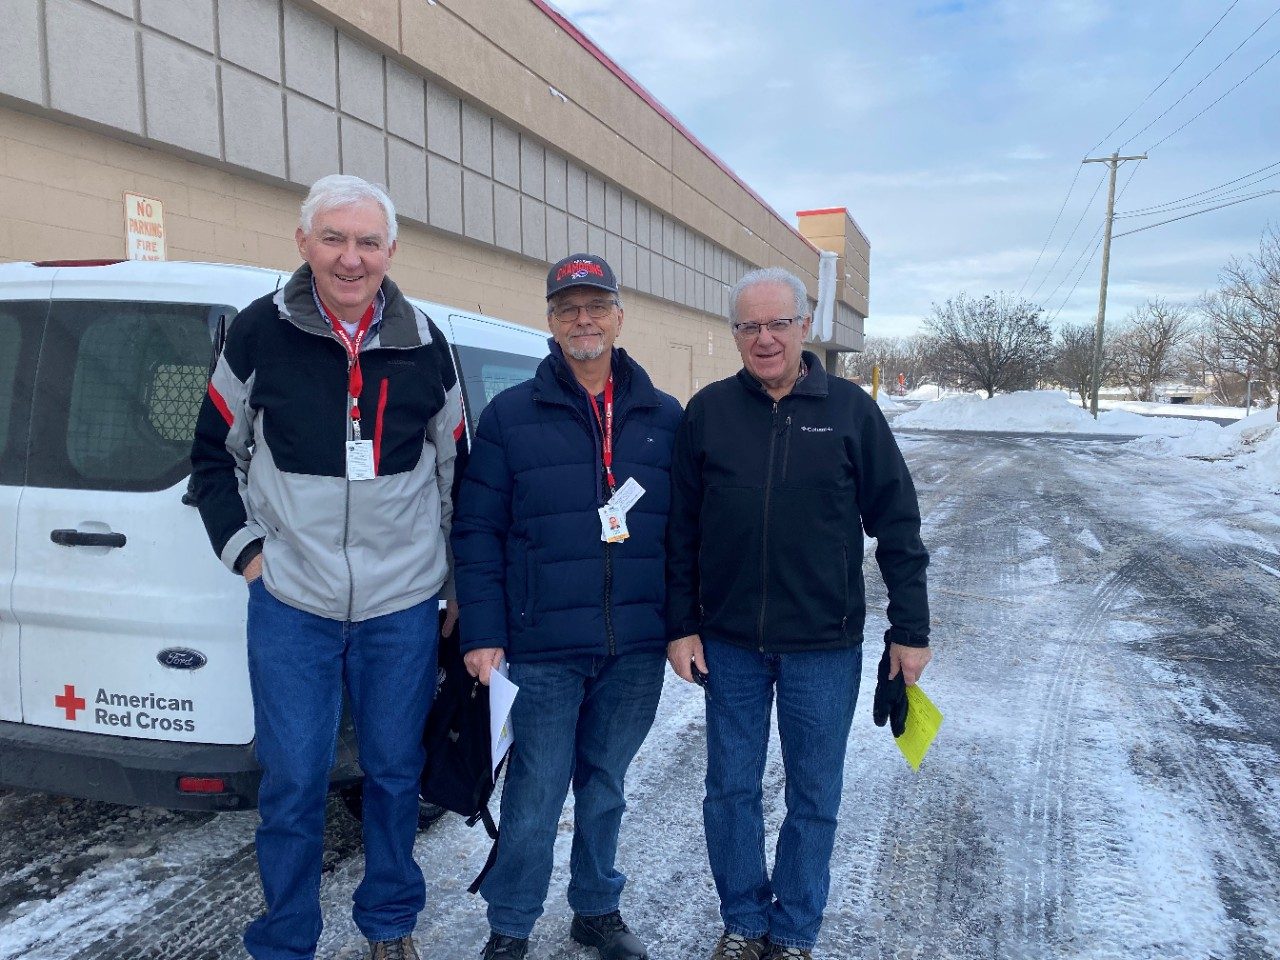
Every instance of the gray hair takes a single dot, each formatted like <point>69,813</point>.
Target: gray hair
<point>340,190</point>
<point>770,275</point>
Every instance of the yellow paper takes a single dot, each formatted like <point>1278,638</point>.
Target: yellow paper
<point>923,721</point>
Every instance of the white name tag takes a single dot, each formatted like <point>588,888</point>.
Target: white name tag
<point>360,460</point>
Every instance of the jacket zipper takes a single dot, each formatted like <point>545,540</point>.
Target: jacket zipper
<point>608,599</point>
<point>786,450</point>
<point>844,550</point>
<point>764,537</point>
<point>346,515</point>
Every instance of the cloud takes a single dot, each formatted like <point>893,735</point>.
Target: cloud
<point>952,129</point>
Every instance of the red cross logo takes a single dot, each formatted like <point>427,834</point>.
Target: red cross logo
<point>69,702</point>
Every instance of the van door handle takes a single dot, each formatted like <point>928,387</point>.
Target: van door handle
<point>79,538</point>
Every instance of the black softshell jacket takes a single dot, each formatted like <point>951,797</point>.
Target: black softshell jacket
<point>769,501</point>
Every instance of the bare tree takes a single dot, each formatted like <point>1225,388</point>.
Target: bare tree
<point>1147,345</point>
<point>1073,359</point>
<point>1244,317</point>
<point>893,355</point>
<point>995,342</point>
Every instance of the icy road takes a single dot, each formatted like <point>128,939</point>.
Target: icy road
<point>1106,783</point>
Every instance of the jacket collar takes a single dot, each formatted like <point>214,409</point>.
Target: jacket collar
<point>403,326</point>
<point>812,384</point>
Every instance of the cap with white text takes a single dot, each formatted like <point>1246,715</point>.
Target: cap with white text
<point>581,270</point>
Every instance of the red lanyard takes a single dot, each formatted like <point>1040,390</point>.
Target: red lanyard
<point>606,428</point>
<point>355,382</point>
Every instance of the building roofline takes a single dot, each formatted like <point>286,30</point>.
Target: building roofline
<point>638,89</point>
<point>844,210</point>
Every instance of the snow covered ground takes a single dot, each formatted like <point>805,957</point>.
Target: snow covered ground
<point>1205,410</point>
<point>1106,784</point>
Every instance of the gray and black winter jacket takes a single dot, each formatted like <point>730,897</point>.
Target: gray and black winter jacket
<point>269,458</point>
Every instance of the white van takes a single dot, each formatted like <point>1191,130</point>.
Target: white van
<point>123,673</point>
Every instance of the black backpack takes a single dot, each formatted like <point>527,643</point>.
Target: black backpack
<point>457,773</point>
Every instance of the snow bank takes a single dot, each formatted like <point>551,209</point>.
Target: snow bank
<point>926,391</point>
<point>1251,445</point>
<point>889,403</point>
<point>1038,411</point>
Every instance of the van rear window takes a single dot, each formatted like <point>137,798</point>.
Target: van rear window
<point>486,373</point>
<point>119,386</point>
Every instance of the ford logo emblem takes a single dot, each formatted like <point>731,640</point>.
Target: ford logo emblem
<point>181,658</point>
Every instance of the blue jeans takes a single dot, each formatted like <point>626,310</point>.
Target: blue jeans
<point>582,720</point>
<point>816,694</point>
<point>298,666</point>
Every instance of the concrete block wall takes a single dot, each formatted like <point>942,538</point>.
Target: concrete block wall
<point>62,186</point>
<point>270,88</point>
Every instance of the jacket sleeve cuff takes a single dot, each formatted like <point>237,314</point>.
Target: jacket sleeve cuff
<point>905,638</point>
<point>235,546</point>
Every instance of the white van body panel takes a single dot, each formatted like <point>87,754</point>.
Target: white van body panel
<point>470,330</point>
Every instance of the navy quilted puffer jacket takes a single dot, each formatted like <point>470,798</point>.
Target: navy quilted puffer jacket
<point>533,575</point>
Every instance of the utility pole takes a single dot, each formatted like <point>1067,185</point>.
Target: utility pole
<point>1114,162</point>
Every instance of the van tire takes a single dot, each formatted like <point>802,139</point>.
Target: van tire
<point>352,799</point>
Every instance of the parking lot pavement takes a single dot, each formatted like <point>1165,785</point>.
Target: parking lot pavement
<point>1107,657</point>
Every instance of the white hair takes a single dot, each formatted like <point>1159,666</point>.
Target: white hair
<point>770,275</point>
<point>340,190</point>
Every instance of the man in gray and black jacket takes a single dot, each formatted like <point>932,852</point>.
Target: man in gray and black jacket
<point>776,473</point>
<point>323,464</point>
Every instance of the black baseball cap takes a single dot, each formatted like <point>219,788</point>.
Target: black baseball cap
<point>580,270</point>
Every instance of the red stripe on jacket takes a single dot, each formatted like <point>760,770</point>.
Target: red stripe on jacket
<point>377,427</point>
<point>221,404</point>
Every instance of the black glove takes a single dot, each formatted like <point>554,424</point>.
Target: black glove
<point>890,703</point>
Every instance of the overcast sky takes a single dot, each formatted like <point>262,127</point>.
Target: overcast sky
<point>952,130</point>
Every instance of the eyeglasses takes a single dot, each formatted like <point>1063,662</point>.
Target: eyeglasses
<point>749,331</point>
<point>596,310</point>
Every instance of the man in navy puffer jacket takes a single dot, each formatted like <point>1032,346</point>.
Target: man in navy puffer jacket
<point>559,577</point>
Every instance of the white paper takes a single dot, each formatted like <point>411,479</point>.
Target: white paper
<point>626,496</point>
<point>502,694</point>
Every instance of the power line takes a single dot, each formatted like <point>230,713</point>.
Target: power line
<point>1191,196</point>
<point>1096,246</point>
<point>1264,193</point>
<point>1248,76</point>
<point>1215,69</point>
<point>1167,76</point>
<point>1053,266</point>
<point>1228,195</point>
<point>1032,272</point>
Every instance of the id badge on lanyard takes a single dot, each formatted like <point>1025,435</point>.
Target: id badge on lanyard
<point>613,515</point>
<point>359,452</point>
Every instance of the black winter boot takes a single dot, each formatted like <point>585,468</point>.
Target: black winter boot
<point>504,948</point>
<point>609,935</point>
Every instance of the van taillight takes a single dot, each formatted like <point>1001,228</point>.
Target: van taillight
<point>201,785</point>
<point>75,263</point>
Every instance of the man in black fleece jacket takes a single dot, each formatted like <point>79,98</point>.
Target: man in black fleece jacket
<point>777,471</point>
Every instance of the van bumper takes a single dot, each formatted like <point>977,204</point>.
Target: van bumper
<point>125,770</point>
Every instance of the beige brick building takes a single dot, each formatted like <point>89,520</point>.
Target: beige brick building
<point>506,138</point>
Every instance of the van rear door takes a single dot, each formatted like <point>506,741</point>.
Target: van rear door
<point>24,302</point>
<point>129,624</point>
